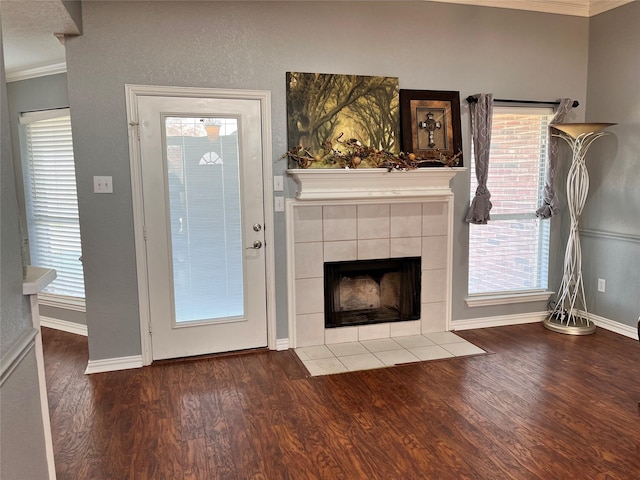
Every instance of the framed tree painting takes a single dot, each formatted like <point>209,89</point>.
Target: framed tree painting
<point>431,125</point>
<point>333,109</point>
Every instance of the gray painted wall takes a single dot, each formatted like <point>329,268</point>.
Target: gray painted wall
<point>34,94</point>
<point>611,215</point>
<point>428,45</point>
<point>22,446</point>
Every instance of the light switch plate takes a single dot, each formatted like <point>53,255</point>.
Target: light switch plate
<point>278,204</point>
<point>278,183</point>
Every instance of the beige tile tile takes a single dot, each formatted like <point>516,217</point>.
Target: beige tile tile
<point>444,338</point>
<point>370,332</point>
<point>340,251</point>
<point>432,352</point>
<point>413,341</point>
<point>324,366</point>
<point>434,286</point>
<point>365,361</point>
<point>402,329</point>
<point>406,247</point>
<point>369,249</point>
<point>373,221</point>
<point>307,226</point>
<point>314,353</point>
<point>435,218</point>
<point>309,329</point>
<point>381,345</point>
<point>339,222</point>
<point>406,220</point>
<point>340,335</point>
<point>309,260</point>
<point>434,253</point>
<point>309,295</point>
<point>433,317</point>
<point>349,348</point>
<point>396,357</point>
<point>463,348</point>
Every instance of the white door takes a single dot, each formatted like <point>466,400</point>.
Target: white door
<point>201,169</point>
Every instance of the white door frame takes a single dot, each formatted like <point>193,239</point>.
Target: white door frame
<point>133,92</point>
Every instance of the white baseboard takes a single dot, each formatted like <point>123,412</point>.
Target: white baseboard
<point>616,327</point>
<point>113,364</point>
<point>64,325</point>
<point>517,319</point>
<point>282,344</point>
<point>499,321</point>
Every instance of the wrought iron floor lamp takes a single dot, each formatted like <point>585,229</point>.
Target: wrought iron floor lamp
<point>570,314</point>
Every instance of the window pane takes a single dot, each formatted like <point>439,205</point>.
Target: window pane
<point>510,253</point>
<point>52,203</point>
<point>204,205</point>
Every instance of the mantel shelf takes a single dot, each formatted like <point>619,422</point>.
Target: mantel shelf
<point>371,183</point>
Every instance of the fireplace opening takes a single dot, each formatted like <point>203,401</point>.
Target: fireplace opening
<point>363,292</point>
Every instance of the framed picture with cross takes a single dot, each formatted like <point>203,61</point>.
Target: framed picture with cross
<point>430,121</point>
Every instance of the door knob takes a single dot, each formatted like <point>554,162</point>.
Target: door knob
<point>256,245</point>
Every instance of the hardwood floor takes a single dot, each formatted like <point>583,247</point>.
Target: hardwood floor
<point>541,406</point>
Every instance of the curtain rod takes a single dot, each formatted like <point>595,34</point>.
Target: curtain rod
<point>472,99</point>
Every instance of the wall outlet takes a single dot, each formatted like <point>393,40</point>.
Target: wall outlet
<point>102,184</point>
<point>602,285</point>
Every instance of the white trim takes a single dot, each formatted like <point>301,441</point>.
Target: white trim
<point>372,183</point>
<point>113,364</point>
<point>16,353</point>
<point>39,115</point>
<point>613,326</point>
<point>36,72</point>
<point>282,344</point>
<point>535,317</point>
<point>62,301</point>
<point>132,92</point>
<point>499,321</point>
<point>64,326</point>
<point>601,234</point>
<point>578,8</point>
<point>289,203</point>
<point>507,298</point>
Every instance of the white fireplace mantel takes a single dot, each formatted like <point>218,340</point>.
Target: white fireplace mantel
<point>371,183</point>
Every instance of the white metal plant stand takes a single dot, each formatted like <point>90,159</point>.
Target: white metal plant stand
<point>570,314</point>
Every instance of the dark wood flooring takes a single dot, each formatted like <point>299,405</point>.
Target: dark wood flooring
<point>540,406</point>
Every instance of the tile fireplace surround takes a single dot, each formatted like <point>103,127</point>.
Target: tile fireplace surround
<point>344,215</point>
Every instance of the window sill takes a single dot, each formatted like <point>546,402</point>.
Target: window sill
<point>507,298</point>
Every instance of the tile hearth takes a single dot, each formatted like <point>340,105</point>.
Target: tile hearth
<point>383,352</point>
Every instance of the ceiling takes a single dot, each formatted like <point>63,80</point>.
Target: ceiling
<point>31,28</point>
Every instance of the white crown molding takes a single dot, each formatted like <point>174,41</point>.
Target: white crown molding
<point>54,69</point>
<point>579,8</point>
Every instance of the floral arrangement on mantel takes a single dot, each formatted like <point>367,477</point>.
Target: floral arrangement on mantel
<point>352,154</point>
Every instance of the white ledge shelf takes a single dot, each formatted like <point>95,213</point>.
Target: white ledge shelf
<point>37,279</point>
<point>371,183</point>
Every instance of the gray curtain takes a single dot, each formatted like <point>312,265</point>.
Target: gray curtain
<point>550,206</point>
<point>481,114</point>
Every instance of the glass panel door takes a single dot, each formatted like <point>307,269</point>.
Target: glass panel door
<point>203,184</point>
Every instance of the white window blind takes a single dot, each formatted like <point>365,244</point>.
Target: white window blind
<point>511,253</point>
<point>51,199</point>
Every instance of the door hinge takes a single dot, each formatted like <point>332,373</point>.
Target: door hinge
<point>144,232</point>
<point>136,125</point>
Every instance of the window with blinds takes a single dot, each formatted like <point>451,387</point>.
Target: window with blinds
<point>51,200</point>
<point>510,254</point>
